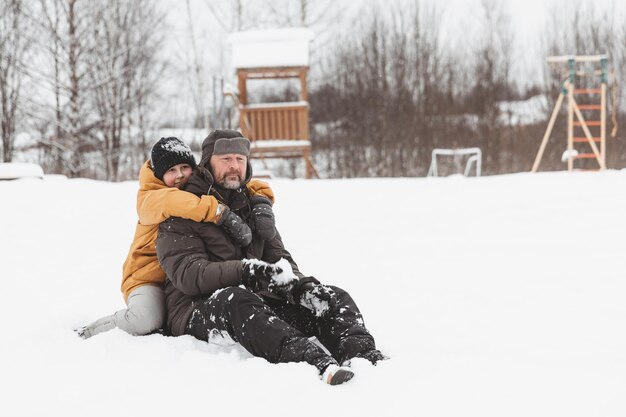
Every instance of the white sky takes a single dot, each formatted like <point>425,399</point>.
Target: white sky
<point>460,18</point>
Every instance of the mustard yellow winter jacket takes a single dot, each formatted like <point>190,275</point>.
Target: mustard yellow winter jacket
<point>155,203</point>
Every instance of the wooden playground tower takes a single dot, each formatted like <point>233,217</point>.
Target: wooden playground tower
<point>275,130</point>
<point>579,127</point>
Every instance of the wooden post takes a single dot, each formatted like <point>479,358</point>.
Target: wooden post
<point>577,58</point>
<point>570,127</point>
<point>603,125</point>
<point>304,94</point>
<point>307,164</point>
<point>241,84</point>
<point>546,135</point>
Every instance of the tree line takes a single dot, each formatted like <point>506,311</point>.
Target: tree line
<point>87,78</point>
<point>82,75</point>
<point>394,91</point>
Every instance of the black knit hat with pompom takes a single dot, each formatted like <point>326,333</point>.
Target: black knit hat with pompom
<point>168,152</point>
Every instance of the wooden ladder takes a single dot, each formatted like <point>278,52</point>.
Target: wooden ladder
<point>578,127</point>
<point>579,130</point>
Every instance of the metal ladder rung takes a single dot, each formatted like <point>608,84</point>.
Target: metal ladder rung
<point>585,156</point>
<point>588,91</point>
<point>584,139</point>
<point>590,106</point>
<point>589,123</point>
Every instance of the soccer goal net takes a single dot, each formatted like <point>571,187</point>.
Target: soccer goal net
<point>452,161</point>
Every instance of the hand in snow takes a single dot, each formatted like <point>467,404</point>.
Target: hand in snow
<point>318,298</point>
<point>263,276</point>
<point>238,230</point>
<point>264,223</point>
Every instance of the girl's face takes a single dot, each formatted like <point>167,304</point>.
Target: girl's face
<point>178,175</point>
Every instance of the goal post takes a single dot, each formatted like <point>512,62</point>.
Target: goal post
<point>474,158</point>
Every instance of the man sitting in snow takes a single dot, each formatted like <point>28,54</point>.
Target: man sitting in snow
<point>278,308</point>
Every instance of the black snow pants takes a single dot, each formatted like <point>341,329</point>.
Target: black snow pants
<point>278,331</point>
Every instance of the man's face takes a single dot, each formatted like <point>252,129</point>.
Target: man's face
<point>229,170</point>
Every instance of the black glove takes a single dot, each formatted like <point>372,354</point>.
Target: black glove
<point>238,230</point>
<point>262,276</point>
<point>318,298</point>
<point>263,216</point>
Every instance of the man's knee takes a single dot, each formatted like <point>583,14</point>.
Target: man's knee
<point>238,295</point>
<point>235,303</point>
<point>347,308</point>
<point>338,290</point>
<point>342,295</point>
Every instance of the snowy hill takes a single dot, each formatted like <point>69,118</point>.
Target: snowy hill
<point>495,296</point>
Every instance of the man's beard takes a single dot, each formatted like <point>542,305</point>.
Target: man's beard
<point>229,183</point>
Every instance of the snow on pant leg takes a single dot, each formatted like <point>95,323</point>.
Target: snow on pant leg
<point>344,333</point>
<point>250,322</point>
<point>145,312</point>
<point>297,316</point>
<point>307,323</point>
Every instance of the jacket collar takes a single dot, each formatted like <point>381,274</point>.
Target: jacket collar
<point>147,180</point>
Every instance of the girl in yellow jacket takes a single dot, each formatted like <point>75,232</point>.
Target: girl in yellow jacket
<point>169,168</point>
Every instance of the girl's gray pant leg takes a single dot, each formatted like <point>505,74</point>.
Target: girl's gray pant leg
<point>145,312</point>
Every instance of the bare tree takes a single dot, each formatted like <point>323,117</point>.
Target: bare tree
<point>307,13</point>
<point>120,81</point>
<point>102,75</point>
<point>65,23</point>
<point>380,109</point>
<point>493,84</point>
<point>196,77</point>
<point>14,44</point>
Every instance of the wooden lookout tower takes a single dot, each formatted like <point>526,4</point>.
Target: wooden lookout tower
<point>586,95</point>
<point>277,129</point>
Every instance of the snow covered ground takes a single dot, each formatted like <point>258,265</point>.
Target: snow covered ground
<point>497,296</point>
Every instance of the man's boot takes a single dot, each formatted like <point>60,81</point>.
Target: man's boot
<point>335,374</point>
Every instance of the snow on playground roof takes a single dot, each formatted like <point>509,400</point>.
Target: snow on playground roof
<point>271,48</point>
<point>277,143</point>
